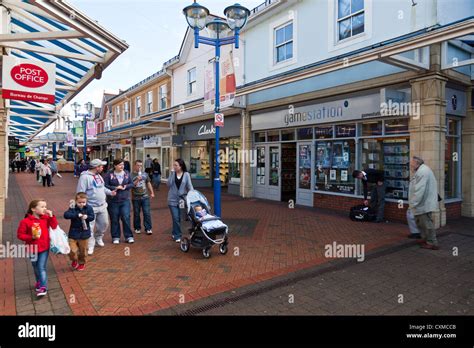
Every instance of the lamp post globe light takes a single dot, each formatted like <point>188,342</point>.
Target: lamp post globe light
<point>197,17</point>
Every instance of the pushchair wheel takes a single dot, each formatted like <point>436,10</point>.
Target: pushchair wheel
<point>223,249</point>
<point>206,252</point>
<point>184,245</point>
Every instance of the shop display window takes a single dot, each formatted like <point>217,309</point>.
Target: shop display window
<point>372,128</point>
<point>196,156</point>
<point>305,133</point>
<point>397,126</point>
<point>323,132</point>
<point>334,164</point>
<point>391,155</point>
<point>288,135</point>
<point>274,165</point>
<point>260,165</point>
<point>304,168</point>
<point>273,136</point>
<point>260,137</point>
<point>234,166</point>
<point>346,131</point>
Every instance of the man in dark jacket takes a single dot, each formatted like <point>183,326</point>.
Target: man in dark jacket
<point>377,195</point>
<point>80,214</point>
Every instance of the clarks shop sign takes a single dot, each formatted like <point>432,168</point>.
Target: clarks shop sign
<point>355,108</point>
<point>206,129</point>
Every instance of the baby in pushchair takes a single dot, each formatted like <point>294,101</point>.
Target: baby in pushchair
<point>206,229</point>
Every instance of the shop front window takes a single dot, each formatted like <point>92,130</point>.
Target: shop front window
<point>196,156</point>
<point>274,165</point>
<point>235,146</point>
<point>323,132</point>
<point>305,133</point>
<point>273,136</point>
<point>452,159</point>
<point>260,137</point>
<point>304,167</point>
<point>397,126</point>
<point>335,162</point>
<point>346,131</point>
<point>288,135</point>
<point>372,128</point>
<point>393,157</point>
<point>260,165</point>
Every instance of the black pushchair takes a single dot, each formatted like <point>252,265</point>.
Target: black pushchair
<point>207,230</point>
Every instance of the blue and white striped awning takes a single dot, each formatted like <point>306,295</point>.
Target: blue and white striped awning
<point>54,32</point>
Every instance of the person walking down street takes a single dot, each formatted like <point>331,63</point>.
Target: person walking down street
<point>179,184</point>
<point>119,206</point>
<point>156,172</point>
<point>32,166</point>
<point>92,183</point>
<point>377,195</point>
<point>38,169</point>
<point>81,214</point>
<point>148,164</point>
<point>423,201</point>
<point>34,231</point>
<point>12,165</point>
<point>54,169</point>
<point>45,172</point>
<point>141,199</point>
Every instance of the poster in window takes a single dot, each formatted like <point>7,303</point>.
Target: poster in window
<point>332,174</point>
<point>343,175</point>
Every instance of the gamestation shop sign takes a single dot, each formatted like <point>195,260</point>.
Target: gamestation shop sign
<point>28,80</point>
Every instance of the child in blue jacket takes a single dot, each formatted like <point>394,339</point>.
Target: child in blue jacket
<point>80,214</point>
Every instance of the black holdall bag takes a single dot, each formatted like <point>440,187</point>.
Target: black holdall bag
<point>362,213</point>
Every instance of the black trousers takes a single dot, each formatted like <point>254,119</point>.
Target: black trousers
<point>377,201</point>
<point>47,179</point>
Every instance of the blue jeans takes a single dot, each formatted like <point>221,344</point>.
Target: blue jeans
<point>176,216</point>
<point>39,266</point>
<point>144,204</point>
<point>120,211</point>
<point>156,180</point>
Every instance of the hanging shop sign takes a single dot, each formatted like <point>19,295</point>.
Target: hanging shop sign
<point>207,130</point>
<point>23,79</point>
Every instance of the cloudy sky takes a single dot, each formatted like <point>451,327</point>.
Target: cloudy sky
<point>154,30</point>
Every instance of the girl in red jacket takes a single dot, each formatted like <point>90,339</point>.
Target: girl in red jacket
<point>34,230</point>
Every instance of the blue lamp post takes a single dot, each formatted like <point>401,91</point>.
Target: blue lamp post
<point>75,107</point>
<point>69,148</point>
<point>89,107</point>
<point>197,18</point>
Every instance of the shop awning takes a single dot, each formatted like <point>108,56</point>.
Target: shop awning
<point>55,32</point>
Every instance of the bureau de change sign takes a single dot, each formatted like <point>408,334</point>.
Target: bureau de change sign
<point>28,80</point>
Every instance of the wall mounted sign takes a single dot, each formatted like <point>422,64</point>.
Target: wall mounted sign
<point>27,80</point>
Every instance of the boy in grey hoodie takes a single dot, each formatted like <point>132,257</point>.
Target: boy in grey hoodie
<point>92,183</point>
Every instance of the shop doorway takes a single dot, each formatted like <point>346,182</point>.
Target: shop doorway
<point>288,172</point>
<point>268,172</point>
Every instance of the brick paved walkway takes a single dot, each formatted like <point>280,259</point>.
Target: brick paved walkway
<point>267,240</point>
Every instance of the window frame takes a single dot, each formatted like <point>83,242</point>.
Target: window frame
<point>191,83</point>
<point>284,43</point>
<point>149,102</point>
<point>162,96</point>
<point>349,16</point>
<point>138,102</point>
<point>279,23</point>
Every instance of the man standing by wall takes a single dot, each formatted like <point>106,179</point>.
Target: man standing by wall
<point>92,183</point>
<point>148,165</point>
<point>423,200</point>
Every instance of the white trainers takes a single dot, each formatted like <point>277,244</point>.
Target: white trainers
<point>130,240</point>
<point>138,231</point>
<point>90,251</point>
<point>178,240</point>
<point>116,241</point>
<point>100,242</point>
<point>149,232</point>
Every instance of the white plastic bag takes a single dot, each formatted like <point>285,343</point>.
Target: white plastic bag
<point>59,243</point>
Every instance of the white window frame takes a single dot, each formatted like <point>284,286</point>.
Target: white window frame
<point>117,113</point>
<point>138,105</point>
<point>333,28</point>
<point>126,114</point>
<point>149,102</point>
<point>161,96</point>
<point>289,17</point>
<point>189,82</point>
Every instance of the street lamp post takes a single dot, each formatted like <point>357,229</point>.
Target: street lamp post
<point>69,148</point>
<point>75,107</point>
<point>89,107</point>
<point>197,18</point>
